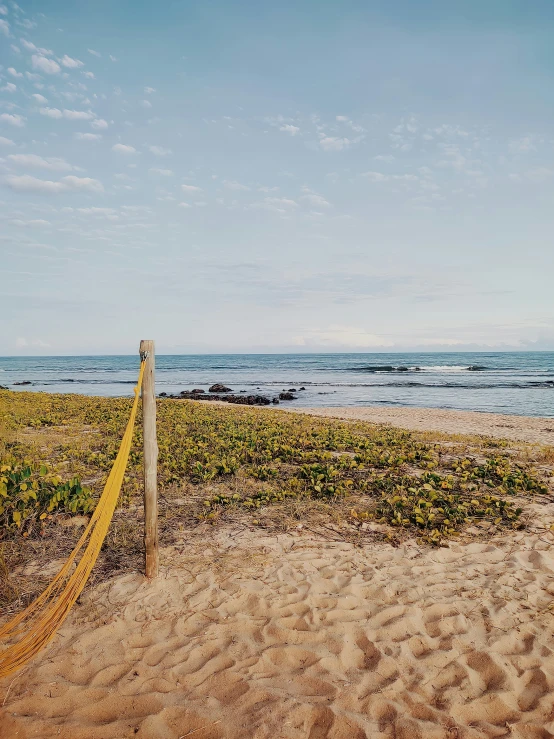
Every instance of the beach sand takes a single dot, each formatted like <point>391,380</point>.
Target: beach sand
<point>294,636</point>
<point>535,430</point>
<point>303,635</point>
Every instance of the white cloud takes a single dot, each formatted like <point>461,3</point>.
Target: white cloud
<point>70,63</point>
<point>232,185</point>
<point>99,124</point>
<point>88,136</point>
<point>94,53</point>
<point>82,183</point>
<point>78,115</point>
<point>146,103</point>
<point>15,48</point>
<point>96,211</point>
<point>113,58</point>
<point>293,130</point>
<point>4,28</point>
<point>286,202</point>
<point>51,112</point>
<point>149,90</point>
<point>14,72</point>
<point>3,10</point>
<point>34,222</point>
<point>375,176</point>
<point>9,87</point>
<point>163,172</point>
<point>185,205</point>
<point>42,64</point>
<point>6,142</point>
<point>342,118</point>
<point>31,47</point>
<point>314,199</point>
<point>53,164</point>
<point>90,75</point>
<point>159,151</point>
<point>27,183</point>
<point>380,177</point>
<point>277,205</point>
<point>190,188</point>
<point>13,119</point>
<point>333,143</point>
<point>39,98</point>
<point>124,149</point>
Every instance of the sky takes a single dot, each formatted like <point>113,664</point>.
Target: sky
<point>260,177</point>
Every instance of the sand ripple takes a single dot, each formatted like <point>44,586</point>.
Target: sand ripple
<point>292,637</point>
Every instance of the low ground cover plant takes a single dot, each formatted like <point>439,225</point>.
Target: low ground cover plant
<point>229,458</point>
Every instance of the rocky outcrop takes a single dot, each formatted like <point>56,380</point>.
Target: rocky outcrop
<point>219,388</point>
<point>239,399</point>
<point>25,382</point>
<point>287,396</point>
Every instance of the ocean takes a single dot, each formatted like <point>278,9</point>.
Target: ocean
<point>509,382</point>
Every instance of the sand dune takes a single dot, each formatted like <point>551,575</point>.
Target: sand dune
<point>293,637</point>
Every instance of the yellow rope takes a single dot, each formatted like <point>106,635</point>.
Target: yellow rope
<point>39,622</point>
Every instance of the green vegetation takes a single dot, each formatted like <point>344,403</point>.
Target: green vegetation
<point>29,494</point>
<point>228,460</point>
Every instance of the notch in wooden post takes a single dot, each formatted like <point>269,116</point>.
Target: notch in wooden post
<point>151,550</point>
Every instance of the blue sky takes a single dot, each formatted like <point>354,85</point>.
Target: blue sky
<point>305,176</point>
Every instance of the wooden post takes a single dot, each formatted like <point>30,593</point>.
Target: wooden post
<point>150,461</point>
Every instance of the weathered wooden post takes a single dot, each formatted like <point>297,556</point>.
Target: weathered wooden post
<point>150,460</point>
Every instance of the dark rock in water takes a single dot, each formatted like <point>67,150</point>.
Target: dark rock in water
<point>402,369</point>
<point>286,396</point>
<point>246,399</point>
<point>3,387</point>
<point>25,382</point>
<point>275,401</point>
<point>163,395</point>
<point>239,399</point>
<point>197,391</point>
<point>219,388</point>
<point>302,388</point>
<point>292,389</point>
<point>476,368</point>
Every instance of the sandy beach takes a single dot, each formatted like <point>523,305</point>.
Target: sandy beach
<point>295,636</point>
<point>534,430</point>
<point>308,635</point>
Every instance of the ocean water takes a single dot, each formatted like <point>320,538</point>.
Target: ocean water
<point>516,382</point>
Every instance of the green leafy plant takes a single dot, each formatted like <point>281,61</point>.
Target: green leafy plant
<point>29,494</point>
